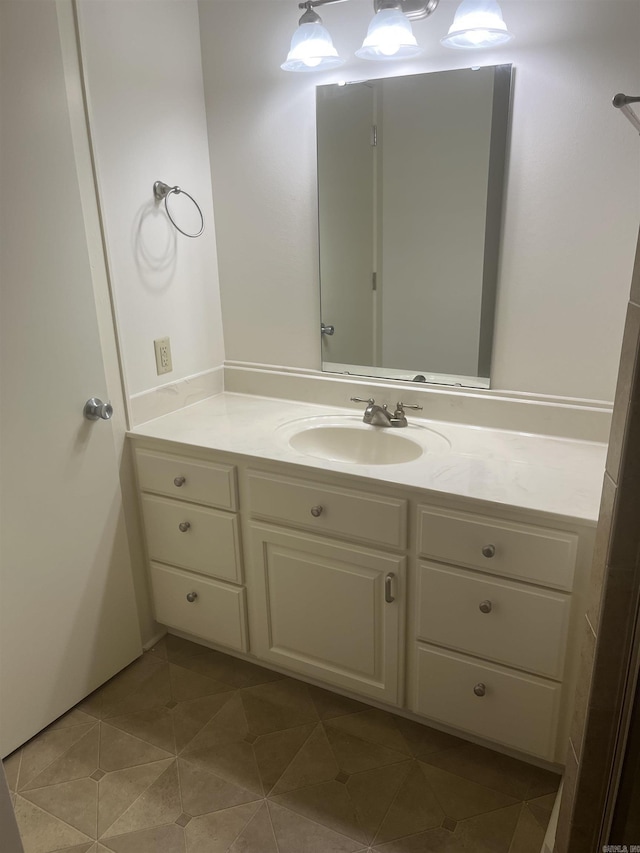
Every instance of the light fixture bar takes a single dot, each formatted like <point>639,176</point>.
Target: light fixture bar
<point>311,4</point>
<point>622,102</point>
<point>415,10</point>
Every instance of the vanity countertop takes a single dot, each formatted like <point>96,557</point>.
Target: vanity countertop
<point>556,476</point>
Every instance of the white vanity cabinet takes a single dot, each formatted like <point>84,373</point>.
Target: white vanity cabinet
<point>193,544</point>
<point>490,649</point>
<point>463,614</point>
<point>325,608</point>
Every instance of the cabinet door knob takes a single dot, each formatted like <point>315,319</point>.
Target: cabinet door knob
<point>485,606</point>
<point>388,595</point>
<point>480,689</point>
<point>179,481</point>
<point>184,526</point>
<point>489,551</point>
<point>316,511</point>
<point>191,597</point>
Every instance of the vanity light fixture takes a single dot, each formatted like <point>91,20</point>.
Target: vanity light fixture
<point>477,23</point>
<point>311,46</point>
<point>389,36</point>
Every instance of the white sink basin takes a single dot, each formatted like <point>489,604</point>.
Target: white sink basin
<point>348,439</point>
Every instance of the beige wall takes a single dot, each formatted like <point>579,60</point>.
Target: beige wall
<point>572,201</point>
<point>146,104</point>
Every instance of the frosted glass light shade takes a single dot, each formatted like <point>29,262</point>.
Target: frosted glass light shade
<point>311,49</point>
<point>477,23</point>
<point>389,37</point>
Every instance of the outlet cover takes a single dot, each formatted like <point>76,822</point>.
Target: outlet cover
<point>163,355</point>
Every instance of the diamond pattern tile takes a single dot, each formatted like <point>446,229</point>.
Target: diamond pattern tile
<point>189,750</point>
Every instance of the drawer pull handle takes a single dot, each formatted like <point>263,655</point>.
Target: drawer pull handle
<point>184,526</point>
<point>485,607</point>
<point>179,481</point>
<point>489,551</point>
<point>388,596</point>
<point>316,511</point>
<point>480,689</point>
<point>191,597</point>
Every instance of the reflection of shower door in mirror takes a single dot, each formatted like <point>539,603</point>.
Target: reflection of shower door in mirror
<point>347,214</point>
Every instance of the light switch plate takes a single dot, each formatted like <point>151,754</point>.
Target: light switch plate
<point>163,355</point>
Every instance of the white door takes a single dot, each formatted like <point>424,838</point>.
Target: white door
<point>67,607</point>
<point>327,610</point>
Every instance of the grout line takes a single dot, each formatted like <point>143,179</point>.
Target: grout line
<point>17,782</point>
<point>178,775</point>
<point>310,735</point>
<point>275,837</point>
<point>36,737</point>
<point>209,721</point>
<point>55,817</point>
<point>390,806</point>
<point>317,823</point>
<point>250,821</point>
<point>132,804</point>
<point>515,829</point>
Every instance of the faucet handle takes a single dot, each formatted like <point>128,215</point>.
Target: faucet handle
<point>369,402</point>
<point>401,406</point>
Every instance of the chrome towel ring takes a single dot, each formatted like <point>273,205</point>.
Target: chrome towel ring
<point>163,191</point>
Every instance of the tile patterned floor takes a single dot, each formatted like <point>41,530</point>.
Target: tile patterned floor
<point>191,751</point>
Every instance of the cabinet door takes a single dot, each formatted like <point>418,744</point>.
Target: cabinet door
<point>332,612</point>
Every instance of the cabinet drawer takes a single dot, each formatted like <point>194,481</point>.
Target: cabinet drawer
<point>187,479</point>
<point>217,612</point>
<point>519,626</point>
<point>340,512</point>
<point>535,554</point>
<point>209,544</point>
<point>520,711</point>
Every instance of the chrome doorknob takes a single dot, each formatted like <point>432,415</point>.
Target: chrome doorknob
<point>95,410</point>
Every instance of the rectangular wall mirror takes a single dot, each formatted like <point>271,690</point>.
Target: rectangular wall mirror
<point>410,185</point>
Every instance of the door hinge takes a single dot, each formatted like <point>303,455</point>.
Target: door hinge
<point>374,281</point>
<point>374,135</point>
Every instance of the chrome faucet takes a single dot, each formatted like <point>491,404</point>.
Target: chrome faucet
<point>374,414</point>
<point>381,416</point>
